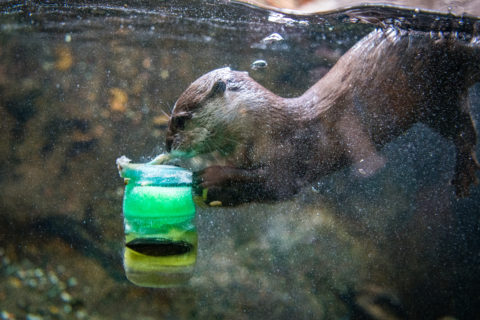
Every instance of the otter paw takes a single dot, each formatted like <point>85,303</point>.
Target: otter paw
<point>226,196</point>
<point>369,166</point>
<point>216,176</point>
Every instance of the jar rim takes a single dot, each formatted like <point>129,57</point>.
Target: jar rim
<point>153,174</point>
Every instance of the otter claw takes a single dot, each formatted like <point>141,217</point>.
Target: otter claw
<point>161,159</point>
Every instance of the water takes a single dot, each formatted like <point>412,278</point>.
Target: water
<point>83,84</point>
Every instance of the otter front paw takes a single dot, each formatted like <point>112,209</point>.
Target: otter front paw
<point>369,166</point>
<point>218,176</point>
<point>226,185</point>
<point>465,175</point>
<point>213,184</point>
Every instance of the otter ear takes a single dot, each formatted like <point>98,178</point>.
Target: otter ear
<point>218,88</point>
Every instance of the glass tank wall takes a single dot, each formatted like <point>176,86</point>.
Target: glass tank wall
<point>82,84</point>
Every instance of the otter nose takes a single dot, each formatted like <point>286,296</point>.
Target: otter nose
<point>168,143</point>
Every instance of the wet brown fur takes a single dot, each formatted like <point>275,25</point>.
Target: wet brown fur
<point>272,146</point>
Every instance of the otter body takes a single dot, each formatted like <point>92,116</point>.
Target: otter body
<point>270,146</point>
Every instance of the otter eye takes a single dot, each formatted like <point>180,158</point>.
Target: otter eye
<point>178,121</point>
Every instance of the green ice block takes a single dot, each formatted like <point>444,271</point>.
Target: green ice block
<point>158,192</point>
<point>158,202</point>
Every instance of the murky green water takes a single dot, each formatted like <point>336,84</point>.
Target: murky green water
<point>82,84</point>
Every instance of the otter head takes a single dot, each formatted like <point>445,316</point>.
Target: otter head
<point>206,116</point>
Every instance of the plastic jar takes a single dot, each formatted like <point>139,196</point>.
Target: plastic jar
<point>159,220</point>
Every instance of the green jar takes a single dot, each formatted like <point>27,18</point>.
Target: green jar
<point>160,233</point>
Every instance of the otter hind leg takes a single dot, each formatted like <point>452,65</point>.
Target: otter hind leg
<point>466,163</point>
<point>458,126</point>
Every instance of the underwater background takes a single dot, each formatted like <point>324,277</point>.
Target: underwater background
<point>83,83</point>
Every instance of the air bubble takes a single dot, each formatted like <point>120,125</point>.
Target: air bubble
<point>274,37</point>
<point>259,64</point>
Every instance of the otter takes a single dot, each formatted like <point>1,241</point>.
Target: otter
<point>268,147</point>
